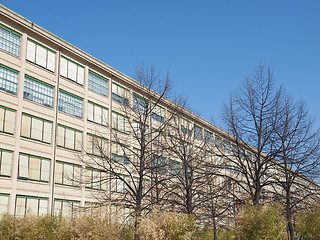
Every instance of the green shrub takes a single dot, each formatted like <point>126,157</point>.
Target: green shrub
<point>259,222</point>
<point>308,223</point>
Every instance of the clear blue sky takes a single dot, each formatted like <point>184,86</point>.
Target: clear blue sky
<point>207,45</point>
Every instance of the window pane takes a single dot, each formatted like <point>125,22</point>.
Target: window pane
<point>43,206</point>
<point>9,122</point>
<point>6,163</point>
<point>72,71</point>
<point>51,61</point>
<point>20,206</point>
<point>47,132</point>
<point>34,168</point>
<point>2,111</point>
<point>4,204</point>
<point>31,51</point>
<point>32,205</point>
<point>36,131</point>
<point>68,174</point>
<point>23,166</point>
<point>25,126</point>
<point>90,112</point>
<point>97,114</point>
<point>45,170</point>
<point>104,117</point>
<point>69,138</point>
<point>80,76</point>
<point>61,136</point>
<point>41,56</point>
<point>58,173</point>
<point>78,141</point>
<point>63,67</point>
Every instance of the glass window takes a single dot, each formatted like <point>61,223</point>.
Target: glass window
<point>120,122</point>
<point>5,162</point>
<point>120,94</point>
<point>7,120</point>
<point>38,91</point>
<point>158,113</point>
<point>9,40</point>
<point>97,145</point>
<point>30,205</point>
<point>197,132</point>
<point>40,55</point>
<point>70,103</point>
<point>227,146</point>
<point>69,138</point>
<point>174,167</point>
<point>67,174</point>
<point>4,201</point>
<point>139,104</point>
<point>97,114</point>
<point>71,70</point>
<point>36,128</point>
<point>208,136</point>
<point>33,168</point>
<point>119,153</point>
<point>218,142</point>
<point>8,79</point>
<point>98,83</point>
<point>159,164</point>
<point>95,179</point>
<point>118,185</point>
<point>66,208</point>
<point>186,126</point>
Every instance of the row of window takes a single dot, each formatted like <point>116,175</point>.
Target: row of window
<point>25,205</point>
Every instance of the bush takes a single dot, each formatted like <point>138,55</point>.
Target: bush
<point>260,223</point>
<point>308,223</point>
<point>166,225</point>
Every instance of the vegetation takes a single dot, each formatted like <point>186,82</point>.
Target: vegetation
<point>309,223</point>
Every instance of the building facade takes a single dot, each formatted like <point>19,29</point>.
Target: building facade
<point>53,98</point>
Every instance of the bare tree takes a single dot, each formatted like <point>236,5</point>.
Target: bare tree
<point>134,179</point>
<point>187,166</point>
<point>251,117</point>
<point>298,159</point>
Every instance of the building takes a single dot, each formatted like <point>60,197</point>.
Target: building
<point>53,96</point>
<point>53,99</point>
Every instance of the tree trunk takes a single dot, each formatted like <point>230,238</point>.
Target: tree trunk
<point>215,229</point>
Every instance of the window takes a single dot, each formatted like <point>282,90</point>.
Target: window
<point>36,128</point>
<point>38,91</point>
<point>139,104</point>
<point>227,146</point>
<point>7,120</point>
<point>70,103</point>
<point>218,142</point>
<point>98,83</point>
<point>71,70</point>
<point>185,126</point>
<point>159,164</point>
<point>96,145</point>
<point>208,136</point>
<point>118,185</point>
<point>34,168</point>
<point>5,162</point>
<point>157,137</point>
<point>118,153</point>
<point>41,55</point>
<point>174,167</point>
<point>120,122</point>
<point>120,94</point>
<point>32,205</point>
<point>67,174</point>
<point>97,114</point>
<point>66,208</point>
<point>95,179</point>
<point>140,129</point>
<point>8,79</point>
<point>4,202</point>
<point>9,40</point>
<point>158,113</point>
<point>197,132</point>
<point>69,138</point>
